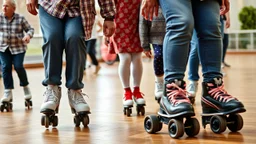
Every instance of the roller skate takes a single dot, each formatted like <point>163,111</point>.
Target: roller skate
<point>158,90</point>
<point>192,90</point>
<point>50,107</point>
<point>27,97</point>
<point>139,100</point>
<point>79,107</point>
<point>6,101</point>
<point>220,109</point>
<point>174,107</point>
<point>127,102</point>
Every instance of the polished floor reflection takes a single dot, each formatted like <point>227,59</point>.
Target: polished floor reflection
<point>108,125</point>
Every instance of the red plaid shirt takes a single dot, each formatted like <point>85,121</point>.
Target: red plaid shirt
<point>85,8</point>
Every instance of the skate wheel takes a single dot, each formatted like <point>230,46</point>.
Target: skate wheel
<point>76,121</point>
<point>140,110</point>
<point>30,103</point>
<point>86,120</point>
<point>235,122</point>
<point>175,128</point>
<point>152,124</point>
<point>46,121</point>
<point>127,111</point>
<point>192,127</point>
<point>218,124</point>
<point>54,121</point>
<point>42,120</point>
<point>2,108</point>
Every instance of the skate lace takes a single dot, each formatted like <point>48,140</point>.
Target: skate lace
<point>51,95</point>
<point>220,94</point>
<point>138,95</point>
<point>176,95</point>
<point>78,97</point>
<point>128,96</point>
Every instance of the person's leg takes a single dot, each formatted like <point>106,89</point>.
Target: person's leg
<point>214,98</point>
<point>19,68</point>
<point>75,50</point>
<point>179,27</point>
<point>6,59</point>
<point>137,70</point>
<point>124,74</point>
<point>90,46</point>
<point>53,35</point>
<point>158,70</point>
<point>193,66</point>
<point>225,47</point>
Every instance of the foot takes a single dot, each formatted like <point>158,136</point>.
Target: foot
<point>158,90</point>
<point>97,69</point>
<point>192,88</point>
<point>27,93</point>
<point>127,99</point>
<point>215,98</point>
<point>77,102</point>
<point>174,100</point>
<point>52,97</point>
<point>7,96</point>
<point>226,65</point>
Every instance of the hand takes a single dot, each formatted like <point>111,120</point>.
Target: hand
<point>149,7</point>
<point>26,39</point>
<point>227,23</point>
<point>32,5</point>
<point>148,53</point>
<point>224,7</point>
<point>108,28</point>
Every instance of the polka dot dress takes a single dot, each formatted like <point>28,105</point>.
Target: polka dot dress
<point>126,36</point>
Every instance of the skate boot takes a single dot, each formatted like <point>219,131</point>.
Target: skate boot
<point>27,97</point>
<point>79,107</point>
<point>6,101</point>
<point>220,108</point>
<point>50,106</point>
<point>174,106</point>
<point>139,100</point>
<point>192,90</point>
<point>158,91</point>
<point>127,102</point>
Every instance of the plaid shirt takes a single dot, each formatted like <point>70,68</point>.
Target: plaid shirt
<point>12,32</point>
<point>85,8</point>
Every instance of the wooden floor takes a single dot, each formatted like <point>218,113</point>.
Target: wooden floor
<point>108,125</point>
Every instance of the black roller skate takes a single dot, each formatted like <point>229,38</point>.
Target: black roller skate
<point>50,107</point>
<point>79,107</point>
<point>139,100</point>
<point>220,109</point>
<point>174,107</point>
<point>6,101</point>
<point>127,102</point>
<point>28,97</point>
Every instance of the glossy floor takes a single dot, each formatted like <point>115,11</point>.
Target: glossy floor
<point>108,125</point>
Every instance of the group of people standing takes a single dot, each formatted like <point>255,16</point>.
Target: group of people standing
<point>65,25</point>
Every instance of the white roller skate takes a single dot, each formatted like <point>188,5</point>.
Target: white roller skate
<point>140,101</point>
<point>158,90</point>
<point>27,97</point>
<point>6,101</point>
<point>79,107</point>
<point>192,90</point>
<point>50,106</point>
<point>127,103</point>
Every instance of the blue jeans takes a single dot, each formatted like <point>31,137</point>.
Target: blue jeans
<point>7,60</point>
<point>193,60</point>
<point>182,17</point>
<point>63,35</point>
